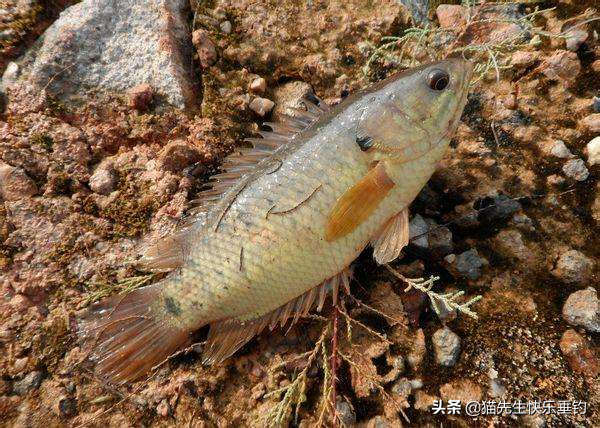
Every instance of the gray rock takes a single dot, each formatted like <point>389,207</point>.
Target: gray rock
<point>470,263</point>
<point>225,27</point>
<point>103,180</point>
<point>418,232</point>
<point>418,9</point>
<point>559,149</point>
<point>113,46</point>
<point>402,387</point>
<point>288,95</point>
<point>345,413</point>
<point>501,208</point>
<point>573,267</point>
<point>30,382</point>
<point>582,309</point>
<point>596,104</point>
<point>576,169</point>
<point>440,239</point>
<point>446,345</point>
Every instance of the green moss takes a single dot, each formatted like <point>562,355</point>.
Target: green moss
<point>131,210</point>
<point>42,140</point>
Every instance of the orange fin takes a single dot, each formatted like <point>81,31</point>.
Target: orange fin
<point>125,336</point>
<point>226,337</point>
<point>392,237</point>
<point>358,203</point>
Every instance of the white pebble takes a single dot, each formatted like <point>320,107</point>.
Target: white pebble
<point>261,106</point>
<point>576,169</point>
<point>593,151</point>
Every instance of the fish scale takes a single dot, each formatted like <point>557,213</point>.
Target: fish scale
<point>285,231</point>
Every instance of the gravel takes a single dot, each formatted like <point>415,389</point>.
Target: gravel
<point>30,382</point>
<point>592,150</point>
<point>446,345</point>
<point>576,169</point>
<point>591,122</point>
<point>582,309</point>
<point>573,267</point>
<point>261,106</point>
<point>469,264</point>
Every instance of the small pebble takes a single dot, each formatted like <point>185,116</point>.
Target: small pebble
<point>576,170</point>
<point>14,183</point>
<point>402,387</point>
<point>500,208</point>
<point>67,406</point>
<point>163,409</point>
<point>140,97</point>
<point>261,106</point>
<point>580,354</point>
<point>582,309</point>
<point>103,180</point>
<point>559,149</point>
<point>207,53</point>
<point>573,267</point>
<point>30,382</point>
<point>345,413</point>
<point>555,180</point>
<point>591,122</point>
<point>418,232</point>
<point>470,263</point>
<point>258,85</point>
<point>225,27</point>
<point>562,65</point>
<point>446,345</point>
<point>592,150</point>
<point>596,104</point>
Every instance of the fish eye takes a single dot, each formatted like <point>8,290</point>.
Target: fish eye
<point>438,79</point>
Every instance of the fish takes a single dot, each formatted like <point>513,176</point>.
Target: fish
<point>277,233</point>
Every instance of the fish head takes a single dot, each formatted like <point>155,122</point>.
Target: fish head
<point>413,112</point>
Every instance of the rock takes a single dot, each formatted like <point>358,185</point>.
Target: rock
<point>261,106</point>
<point>575,38</point>
<point>469,264</point>
<point>417,351</point>
<point>534,421</point>
<point>418,232</point>
<point>14,183</point>
<point>380,422</point>
<point>289,95</point>
<point>573,267</point>
<point>418,10</point>
<point>140,97</point>
<point>498,209</point>
<point>113,46</point>
<point>562,65</point>
<point>579,354</point>
<point>576,170</point>
<point>10,76</point>
<point>440,239</point>
<point>446,345</point>
<point>451,16</point>
<point>258,85</point>
<point>591,122</point>
<point>510,243</point>
<point>596,104</point>
<point>30,382</point>
<point>558,148</point>
<point>67,406</point>
<point>345,413</point>
<point>225,27</point>
<point>104,179</point>
<point>592,150</point>
<point>177,155</point>
<point>555,180</point>
<point>207,53</point>
<point>464,390</point>
<point>582,309</point>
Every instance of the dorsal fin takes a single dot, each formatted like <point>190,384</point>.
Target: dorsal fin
<point>227,336</point>
<point>239,167</point>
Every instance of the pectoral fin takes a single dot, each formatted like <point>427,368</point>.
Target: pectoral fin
<point>392,237</point>
<point>358,203</point>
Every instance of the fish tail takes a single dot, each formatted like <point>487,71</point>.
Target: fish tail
<point>127,335</point>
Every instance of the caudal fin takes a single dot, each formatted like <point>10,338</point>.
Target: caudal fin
<point>127,335</point>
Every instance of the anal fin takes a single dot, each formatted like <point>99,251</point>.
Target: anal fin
<point>393,236</point>
<point>227,336</point>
